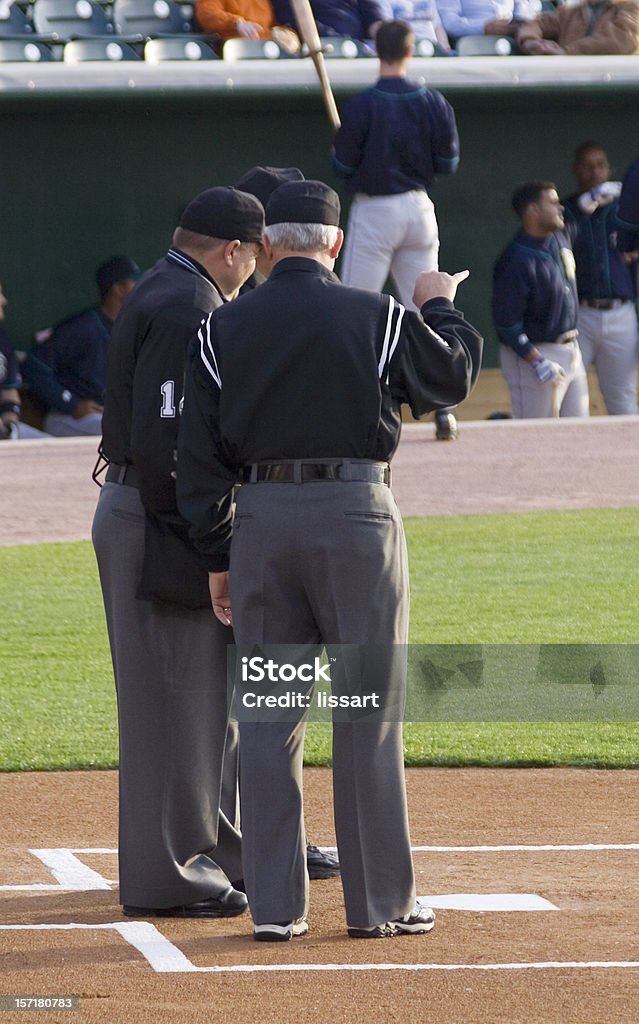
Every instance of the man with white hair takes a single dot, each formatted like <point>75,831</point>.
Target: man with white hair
<point>295,390</point>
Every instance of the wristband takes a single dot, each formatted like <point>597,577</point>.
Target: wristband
<point>14,407</point>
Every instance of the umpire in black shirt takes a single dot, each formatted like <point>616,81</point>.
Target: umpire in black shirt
<point>178,853</point>
<point>296,390</point>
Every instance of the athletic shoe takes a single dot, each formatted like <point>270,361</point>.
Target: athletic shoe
<point>445,426</point>
<point>229,903</point>
<point>282,931</point>
<point>418,922</point>
<point>321,864</point>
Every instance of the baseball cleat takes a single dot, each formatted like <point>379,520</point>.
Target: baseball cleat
<point>282,931</point>
<point>321,864</point>
<point>445,426</point>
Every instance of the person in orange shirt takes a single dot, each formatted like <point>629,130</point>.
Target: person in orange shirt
<point>252,19</point>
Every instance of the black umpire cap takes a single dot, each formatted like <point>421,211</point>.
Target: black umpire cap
<point>303,202</point>
<point>225,212</point>
<point>262,181</point>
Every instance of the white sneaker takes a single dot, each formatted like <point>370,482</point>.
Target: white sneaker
<point>282,931</point>
<point>418,922</point>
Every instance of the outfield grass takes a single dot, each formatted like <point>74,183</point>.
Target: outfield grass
<point>530,578</point>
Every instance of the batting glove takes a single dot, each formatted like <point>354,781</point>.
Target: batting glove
<point>546,370</point>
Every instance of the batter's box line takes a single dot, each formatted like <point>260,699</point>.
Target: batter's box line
<point>165,958</point>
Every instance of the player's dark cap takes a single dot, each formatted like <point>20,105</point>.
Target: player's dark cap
<point>262,181</point>
<point>117,268</point>
<point>225,212</point>
<point>303,202</point>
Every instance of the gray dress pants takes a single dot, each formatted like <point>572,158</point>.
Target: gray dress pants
<point>324,562</point>
<point>170,674</point>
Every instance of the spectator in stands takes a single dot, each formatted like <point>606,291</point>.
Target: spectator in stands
<point>607,318</point>
<point>11,428</point>
<point>75,353</point>
<point>424,19</point>
<point>359,19</point>
<point>489,17</point>
<point>247,19</point>
<point>607,26</point>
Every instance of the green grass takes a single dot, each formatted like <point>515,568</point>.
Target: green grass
<point>568,577</point>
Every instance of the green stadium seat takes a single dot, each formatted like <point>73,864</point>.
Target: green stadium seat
<point>30,51</point>
<point>70,19</point>
<point>178,48</point>
<point>485,46</point>
<point>254,49</point>
<point>147,19</point>
<point>108,49</point>
<point>14,21</point>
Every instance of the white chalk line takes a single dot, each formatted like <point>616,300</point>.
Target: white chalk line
<point>74,876</point>
<point>165,958</point>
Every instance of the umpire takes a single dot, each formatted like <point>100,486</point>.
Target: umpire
<point>177,851</point>
<point>296,390</point>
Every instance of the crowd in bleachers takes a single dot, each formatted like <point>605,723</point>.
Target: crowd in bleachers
<point>155,30</point>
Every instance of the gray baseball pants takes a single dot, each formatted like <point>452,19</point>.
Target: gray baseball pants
<point>324,562</point>
<point>169,664</point>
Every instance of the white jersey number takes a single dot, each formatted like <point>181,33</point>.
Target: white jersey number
<point>167,409</point>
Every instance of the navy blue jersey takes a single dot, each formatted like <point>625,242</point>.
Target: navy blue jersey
<point>601,270</point>
<point>628,212</point>
<point>534,291</point>
<point>9,376</point>
<point>77,352</point>
<point>395,137</point>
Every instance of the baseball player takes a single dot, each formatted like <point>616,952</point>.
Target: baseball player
<point>394,139</point>
<point>628,212</point>
<point>535,310</point>
<point>607,318</point>
<point>295,389</point>
<point>178,853</point>
<point>11,429</point>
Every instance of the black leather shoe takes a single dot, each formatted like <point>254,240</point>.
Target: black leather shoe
<point>230,903</point>
<point>320,864</point>
<point>445,426</point>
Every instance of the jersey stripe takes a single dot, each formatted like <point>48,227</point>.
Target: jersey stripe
<point>393,326</point>
<point>206,349</point>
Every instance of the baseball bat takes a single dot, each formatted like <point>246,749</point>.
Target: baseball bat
<point>307,29</point>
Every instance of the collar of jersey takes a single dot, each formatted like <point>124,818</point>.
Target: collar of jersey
<point>306,264</point>
<point>188,263</point>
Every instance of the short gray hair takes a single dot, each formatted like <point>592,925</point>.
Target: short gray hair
<point>302,237</point>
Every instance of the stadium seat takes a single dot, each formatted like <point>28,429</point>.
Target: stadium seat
<point>80,50</point>
<point>344,47</point>
<point>485,46</point>
<point>254,49</point>
<point>149,18</point>
<point>178,48</point>
<point>70,19</point>
<point>24,50</point>
<point>425,48</point>
<point>14,21</point>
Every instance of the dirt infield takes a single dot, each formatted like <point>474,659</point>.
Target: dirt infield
<point>496,466</point>
<point>528,966</point>
<point>534,874</point>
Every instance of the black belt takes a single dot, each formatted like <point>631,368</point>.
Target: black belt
<point>127,475</point>
<point>604,303</point>
<point>299,472</point>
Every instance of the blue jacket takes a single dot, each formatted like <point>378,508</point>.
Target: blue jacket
<point>534,291</point>
<point>76,353</point>
<point>601,271</point>
<point>628,212</point>
<point>395,137</point>
<point>336,17</point>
